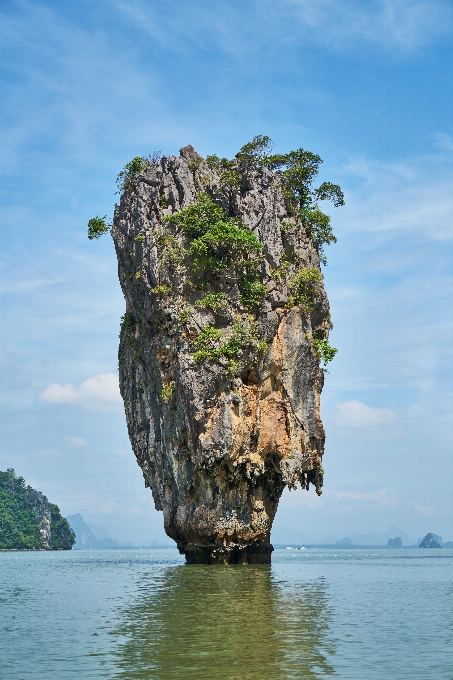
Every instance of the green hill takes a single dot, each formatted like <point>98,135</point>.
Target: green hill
<point>27,520</point>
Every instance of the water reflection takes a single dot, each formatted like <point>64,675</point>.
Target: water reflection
<point>215,622</point>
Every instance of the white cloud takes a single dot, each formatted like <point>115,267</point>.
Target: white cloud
<point>101,392</point>
<point>49,453</point>
<point>59,394</point>
<point>404,24</point>
<point>77,442</point>
<point>357,414</point>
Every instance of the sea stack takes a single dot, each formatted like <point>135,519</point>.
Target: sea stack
<point>220,348</point>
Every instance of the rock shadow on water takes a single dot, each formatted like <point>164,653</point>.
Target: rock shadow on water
<point>200,622</point>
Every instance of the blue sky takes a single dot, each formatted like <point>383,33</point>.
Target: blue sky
<point>87,85</point>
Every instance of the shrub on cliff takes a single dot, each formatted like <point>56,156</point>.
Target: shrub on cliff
<point>303,286</point>
<point>220,241</point>
<point>297,170</point>
<point>97,227</point>
<point>125,179</point>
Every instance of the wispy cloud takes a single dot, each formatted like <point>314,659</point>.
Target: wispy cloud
<point>402,24</point>
<point>101,392</point>
<point>389,24</point>
<point>443,141</point>
<point>77,442</point>
<point>72,77</point>
<point>400,197</point>
<point>357,414</point>
<point>45,454</point>
<point>203,26</point>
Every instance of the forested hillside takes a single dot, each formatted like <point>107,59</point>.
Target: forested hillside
<point>27,520</point>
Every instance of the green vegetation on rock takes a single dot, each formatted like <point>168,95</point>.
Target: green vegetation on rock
<point>62,536</point>
<point>303,286</point>
<point>167,392</point>
<point>19,523</point>
<point>297,170</point>
<point>26,515</point>
<point>209,347</point>
<point>213,301</point>
<point>218,242</point>
<point>126,178</point>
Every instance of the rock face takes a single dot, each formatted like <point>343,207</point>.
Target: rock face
<point>40,505</point>
<point>218,434</point>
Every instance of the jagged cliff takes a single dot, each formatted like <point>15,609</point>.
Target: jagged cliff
<point>219,359</point>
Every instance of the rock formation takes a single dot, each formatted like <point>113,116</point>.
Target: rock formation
<point>219,358</point>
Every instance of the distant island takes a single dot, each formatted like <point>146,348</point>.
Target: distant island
<point>396,542</point>
<point>434,541</point>
<point>394,537</point>
<point>90,537</point>
<point>85,539</point>
<point>27,520</point>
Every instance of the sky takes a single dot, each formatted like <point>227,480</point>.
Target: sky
<point>366,84</point>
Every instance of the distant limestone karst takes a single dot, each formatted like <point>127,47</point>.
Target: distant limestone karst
<point>345,541</point>
<point>85,539</point>
<point>27,520</point>
<point>395,542</point>
<point>431,541</point>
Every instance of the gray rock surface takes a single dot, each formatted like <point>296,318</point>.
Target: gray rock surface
<point>40,505</point>
<point>217,446</point>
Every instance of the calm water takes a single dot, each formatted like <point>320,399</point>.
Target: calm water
<point>144,614</point>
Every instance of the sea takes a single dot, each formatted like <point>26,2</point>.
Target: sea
<point>314,613</point>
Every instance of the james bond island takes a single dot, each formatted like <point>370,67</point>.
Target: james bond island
<point>225,332</point>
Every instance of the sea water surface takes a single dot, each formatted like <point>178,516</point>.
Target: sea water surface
<point>315,613</point>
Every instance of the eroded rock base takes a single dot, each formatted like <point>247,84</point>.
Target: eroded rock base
<point>227,554</point>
